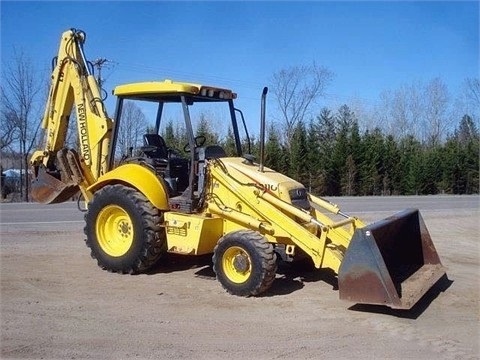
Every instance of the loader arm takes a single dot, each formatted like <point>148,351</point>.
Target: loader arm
<point>58,173</point>
<point>321,237</point>
<point>391,262</point>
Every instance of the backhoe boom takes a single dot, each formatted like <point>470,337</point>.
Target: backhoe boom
<point>59,172</point>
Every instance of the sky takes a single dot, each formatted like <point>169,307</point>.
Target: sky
<point>369,46</point>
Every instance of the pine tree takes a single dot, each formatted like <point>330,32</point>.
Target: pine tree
<point>355,158</point>
<point>345,120</point>
<point>391,171</point>
<point>371,168</point>
<point>254,146</point>
<point>467,130</point>
<point>204,128</point>
<point>430,173</point>
<point>169,135</point>
<point>314,158</point>
<point>298,155</point>
<point>452,177</point>
<point>229,143</point>
<point>175,137</point>
<point>273,150</point>
<point>326,126</point>
<point>461,159</point>
<point>410,163</point>
<point>325,133</point>
<point>349,178</point>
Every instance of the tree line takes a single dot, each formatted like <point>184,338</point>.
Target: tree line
<point>332,157</point>
<point>415,140</point>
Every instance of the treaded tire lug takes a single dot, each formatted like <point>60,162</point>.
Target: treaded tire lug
<point>149,240</point>
<point>261,257</point>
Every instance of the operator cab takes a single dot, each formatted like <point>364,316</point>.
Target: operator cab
<point>168,164</point>
<point>181,166</point>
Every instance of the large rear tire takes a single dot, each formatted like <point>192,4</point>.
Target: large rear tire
<point>123,230</point>
<point>245,263</point>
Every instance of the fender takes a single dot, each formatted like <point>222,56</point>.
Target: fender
<point>139,177</point>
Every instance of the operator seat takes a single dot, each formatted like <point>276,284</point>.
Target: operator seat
<point>160,150</point>
<point>173,168</point>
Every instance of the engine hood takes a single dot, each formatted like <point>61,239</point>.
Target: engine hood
<point>275,183</point>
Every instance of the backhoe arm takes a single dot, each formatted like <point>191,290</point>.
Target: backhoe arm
<point>58,173</point>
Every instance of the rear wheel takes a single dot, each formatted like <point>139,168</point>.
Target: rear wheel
<point>123,230</point>
<point>245,263</point>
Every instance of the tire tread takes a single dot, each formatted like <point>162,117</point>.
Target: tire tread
<point>153,234</point>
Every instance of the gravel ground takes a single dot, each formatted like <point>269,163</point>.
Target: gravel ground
<point>57,304</point>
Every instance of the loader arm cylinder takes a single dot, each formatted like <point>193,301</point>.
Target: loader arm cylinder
<point>288,208</point>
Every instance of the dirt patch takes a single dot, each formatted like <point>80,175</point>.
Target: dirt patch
<point>57,304</point>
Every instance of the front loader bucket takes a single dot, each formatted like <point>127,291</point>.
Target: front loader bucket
<point>391,262</point>
<point>47,189</point>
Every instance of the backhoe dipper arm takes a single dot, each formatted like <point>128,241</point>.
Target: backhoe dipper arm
<point>59,173</point>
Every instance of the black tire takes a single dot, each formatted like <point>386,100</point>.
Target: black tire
<point>123,230</point>
<point>244,263</point>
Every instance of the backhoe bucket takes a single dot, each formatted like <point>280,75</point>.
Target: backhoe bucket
<point>47,189</point>
<point>391,262</point>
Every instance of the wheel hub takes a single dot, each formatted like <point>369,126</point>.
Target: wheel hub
<point>124,228</point>
<point>114,230</point>
<point>241,263</point>
<point>236,264</point>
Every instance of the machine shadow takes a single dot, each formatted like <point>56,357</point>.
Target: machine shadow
<point>440,286</point>
<point>173,262</point>
<point>291,277</point>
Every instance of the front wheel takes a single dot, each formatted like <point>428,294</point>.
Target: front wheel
<point>244,263</point>
<point>123,230</point>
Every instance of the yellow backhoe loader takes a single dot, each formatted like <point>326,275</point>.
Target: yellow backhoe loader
<point>248,216</point>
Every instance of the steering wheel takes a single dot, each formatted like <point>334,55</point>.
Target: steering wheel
<point>199,141</point>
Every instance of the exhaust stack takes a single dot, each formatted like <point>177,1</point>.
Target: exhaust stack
<point>262,128</point>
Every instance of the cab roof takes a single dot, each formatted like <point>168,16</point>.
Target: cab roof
<point>168,88</point>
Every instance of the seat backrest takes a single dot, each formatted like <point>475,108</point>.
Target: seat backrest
<point>157,141</point>
<point>214,152</point>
